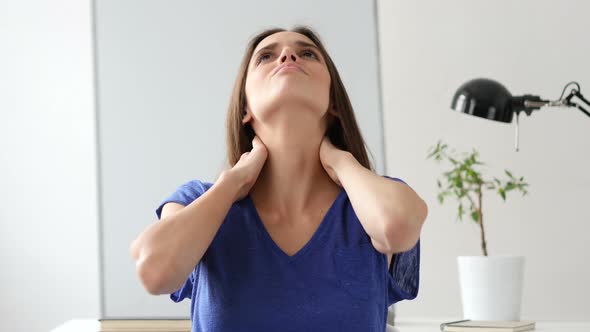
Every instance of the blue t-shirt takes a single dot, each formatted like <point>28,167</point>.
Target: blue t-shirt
<point>336,282</point>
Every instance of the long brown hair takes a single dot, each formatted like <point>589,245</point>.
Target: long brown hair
<point>343,131</point>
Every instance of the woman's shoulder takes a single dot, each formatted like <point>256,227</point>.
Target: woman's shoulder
<point>394,179</point>
<point>190,190</point>
<point>184,194</point>
<point>194,187</point>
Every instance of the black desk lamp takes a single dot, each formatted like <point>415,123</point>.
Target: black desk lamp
<point>491,100</point>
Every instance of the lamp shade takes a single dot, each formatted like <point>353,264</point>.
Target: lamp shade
<point>484,98</point>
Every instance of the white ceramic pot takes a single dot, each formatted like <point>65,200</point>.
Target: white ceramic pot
<point>491,287</point>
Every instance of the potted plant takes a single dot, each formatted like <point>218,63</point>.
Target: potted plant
<point>491,286</point>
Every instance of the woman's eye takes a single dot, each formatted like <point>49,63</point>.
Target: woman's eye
<point>309,54</point>
<point>263,57</point>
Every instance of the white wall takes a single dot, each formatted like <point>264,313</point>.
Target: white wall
<point>428,49</point>
<point>48,210</point>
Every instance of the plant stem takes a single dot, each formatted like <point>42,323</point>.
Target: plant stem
<point>480,219</point>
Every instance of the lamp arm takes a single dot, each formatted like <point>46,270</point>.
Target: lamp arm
<point>582,107</point>
<point>528,103</point>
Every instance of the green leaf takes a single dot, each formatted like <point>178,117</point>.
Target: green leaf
<point>431,154</point>
<point>508,173</point>
<point>475,216</point>
<point>502,193</point>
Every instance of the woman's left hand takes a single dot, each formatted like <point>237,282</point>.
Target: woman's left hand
<point>331,157</point>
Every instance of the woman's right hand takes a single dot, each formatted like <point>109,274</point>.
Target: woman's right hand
<point>245,172</point>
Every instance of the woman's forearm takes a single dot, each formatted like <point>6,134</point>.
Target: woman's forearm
<point>391,212</point>
<point>168,250</point>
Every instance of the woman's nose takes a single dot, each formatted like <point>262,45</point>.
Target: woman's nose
<point>288,54</point>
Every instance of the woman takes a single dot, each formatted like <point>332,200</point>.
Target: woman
<point>298,234</point>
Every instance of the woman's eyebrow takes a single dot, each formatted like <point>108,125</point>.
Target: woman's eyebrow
<point>300,43</point>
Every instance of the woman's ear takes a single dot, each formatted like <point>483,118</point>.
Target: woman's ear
<point>332,116</point>
<point>247,116</point>
<point>332,112</point>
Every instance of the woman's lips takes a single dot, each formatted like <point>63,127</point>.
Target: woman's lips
<point>288,67</point>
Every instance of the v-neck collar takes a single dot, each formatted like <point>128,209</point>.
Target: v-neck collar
<point>318,232</point>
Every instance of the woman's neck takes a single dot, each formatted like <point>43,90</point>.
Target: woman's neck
<point>289,181</point>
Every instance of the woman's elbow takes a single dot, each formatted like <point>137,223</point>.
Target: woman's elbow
<point>151,278</point>
<point>402,233</point>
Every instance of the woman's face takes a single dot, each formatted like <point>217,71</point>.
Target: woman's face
<point>287,73</point>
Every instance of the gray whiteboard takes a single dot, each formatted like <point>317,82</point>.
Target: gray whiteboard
<point>164,73</point>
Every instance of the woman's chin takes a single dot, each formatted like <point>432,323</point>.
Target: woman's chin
<point>297,95</point>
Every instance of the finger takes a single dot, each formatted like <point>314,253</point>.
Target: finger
<point>258,154</point>
<point>255,142</point>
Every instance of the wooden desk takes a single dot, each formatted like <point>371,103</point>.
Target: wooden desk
<point>422,325</point>
<point>92,325</point>
<point>433,325</point>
